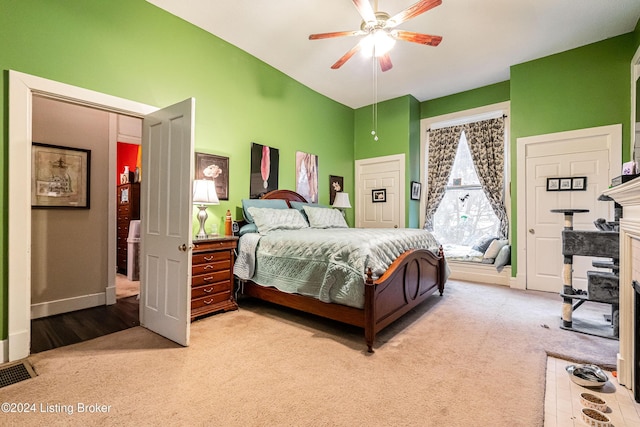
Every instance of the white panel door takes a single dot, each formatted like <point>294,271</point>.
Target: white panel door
<point>166,216</point>
<point>382,173</point>
<point>544,228</point>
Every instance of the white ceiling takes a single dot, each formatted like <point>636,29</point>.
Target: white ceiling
<point>481,40</point>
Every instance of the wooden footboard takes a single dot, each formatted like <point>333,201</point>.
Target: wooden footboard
<point>411,279</point>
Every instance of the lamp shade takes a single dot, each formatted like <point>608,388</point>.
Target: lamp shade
<point>342,201</point>
<point>204,192</point>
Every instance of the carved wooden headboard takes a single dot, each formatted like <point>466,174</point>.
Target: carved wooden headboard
<point>287,195</point>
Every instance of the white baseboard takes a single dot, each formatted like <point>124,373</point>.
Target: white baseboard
<point>111,294</point>
<point>66,305</point>
<point>4,351</point>
<point>481,273</point>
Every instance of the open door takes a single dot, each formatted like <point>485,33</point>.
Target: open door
<point>165,221</point>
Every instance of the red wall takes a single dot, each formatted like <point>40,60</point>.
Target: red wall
<point>127,156</point>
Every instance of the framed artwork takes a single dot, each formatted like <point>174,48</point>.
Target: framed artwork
<point>379,195</point>
<point>307,176</point>
<point>553,184</point>
<point>210,166</point>
<point>336,185</point>
<point>415,190</point>
<point>579,183</point>
<point>60,177</point>
<point>264,170</point>
<point>565,184</point>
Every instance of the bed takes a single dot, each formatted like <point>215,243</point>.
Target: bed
<point>410,279</point>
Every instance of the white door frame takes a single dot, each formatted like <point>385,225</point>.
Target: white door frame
<point>22,87</point>
<point>614,138</point>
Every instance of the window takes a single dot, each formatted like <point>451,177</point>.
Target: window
<point>464,216</point>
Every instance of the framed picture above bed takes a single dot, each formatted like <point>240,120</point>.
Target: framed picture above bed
<point>336,185</point>
<point>264,170</point>
<point>209,166</point>
<point>307,176</point>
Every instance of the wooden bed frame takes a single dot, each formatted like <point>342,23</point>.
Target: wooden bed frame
<point>411,279</point>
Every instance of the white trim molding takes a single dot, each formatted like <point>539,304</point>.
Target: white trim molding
<point>22,87</point>
<point>65,305</point>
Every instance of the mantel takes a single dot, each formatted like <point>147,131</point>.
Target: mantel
<point>627,194</point>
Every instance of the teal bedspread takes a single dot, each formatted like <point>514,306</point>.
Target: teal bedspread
<point>328,264</point>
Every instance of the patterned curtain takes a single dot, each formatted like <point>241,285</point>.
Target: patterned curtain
<point>486,143</point>
<point>443,145</point>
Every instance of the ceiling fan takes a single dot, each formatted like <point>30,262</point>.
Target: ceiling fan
<point>379,29</point>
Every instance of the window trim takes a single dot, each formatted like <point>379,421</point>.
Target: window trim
<point>467,116</point>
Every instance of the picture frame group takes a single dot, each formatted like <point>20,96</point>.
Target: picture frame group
<point>576,183</point>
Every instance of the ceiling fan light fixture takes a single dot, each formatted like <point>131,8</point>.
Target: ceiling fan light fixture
<point>377,43</point>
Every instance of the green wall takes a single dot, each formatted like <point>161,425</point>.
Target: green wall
<point>580,88</point>
<point>398,132</point>
<point>486,95</point>
<point>133,50</point>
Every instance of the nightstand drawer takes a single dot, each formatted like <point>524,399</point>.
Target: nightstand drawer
<point>210,278</point>
<point>210,300</point>
<point>210,290</point>
<point>210,267</point>
<point>210,257</point>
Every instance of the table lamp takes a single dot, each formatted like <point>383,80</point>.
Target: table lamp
<point>341,202</point>
<point>204,194</point>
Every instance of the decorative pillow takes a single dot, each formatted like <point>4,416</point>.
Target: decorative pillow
<point>503,258</point>
<point>300,206</point>
<point>325,218</point>
<point>494,249</point>
<point>268,219</point>
<point>261,203</point>
<point>483,244</point>
<point>248,228</point>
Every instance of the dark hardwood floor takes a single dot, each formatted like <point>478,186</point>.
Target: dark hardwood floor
<point>70,328</point>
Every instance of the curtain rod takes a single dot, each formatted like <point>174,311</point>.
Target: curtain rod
<point>464,121</point>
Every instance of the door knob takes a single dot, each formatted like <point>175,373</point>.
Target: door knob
<point>182,247</point>
<point>532,231</point>
<point>395,226</point>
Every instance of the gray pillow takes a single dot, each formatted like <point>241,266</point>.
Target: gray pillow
<point>248,228</point>
<point>503,258</point>
<point>261,203</point>
<point>483,244</point>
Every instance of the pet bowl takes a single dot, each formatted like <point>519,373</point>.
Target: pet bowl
<point>594,418</point>
<point>587,375</point>
<point>592,401</point>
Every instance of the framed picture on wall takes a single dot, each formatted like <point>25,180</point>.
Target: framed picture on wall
<point>60,177</point>
<point>265,163</point>
<point>336,185</point>
<point>210,166</point>
<point>553,184</point>
<point>379,195</point>
<point>416,188</point>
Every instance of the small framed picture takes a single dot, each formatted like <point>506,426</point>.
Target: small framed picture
<point>565,184</point>
<point>379,195</point>
<point>415,190</point>
<point>210,166</point>
<point>553,184</point>
<point>579,183</point>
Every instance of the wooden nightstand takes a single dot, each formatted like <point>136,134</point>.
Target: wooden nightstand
<point>212,276</point>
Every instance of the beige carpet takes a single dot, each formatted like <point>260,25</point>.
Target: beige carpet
<point>476,356</point>
<point>125,287</point>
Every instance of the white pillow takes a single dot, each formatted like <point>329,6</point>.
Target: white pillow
<point>325,217</point>
<point>268,219</point>
<point>494,249</point>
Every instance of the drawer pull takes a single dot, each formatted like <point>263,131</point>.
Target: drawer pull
<point>208,278</point>
<point>208,258</point>
<point>207,290</point>
<point>208,267</point>
<point>207,302</point>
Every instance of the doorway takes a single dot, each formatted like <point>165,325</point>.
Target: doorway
<point>593,152</point>
<point>22,88</point>
<point>380,192</point>
<point>71,304</point>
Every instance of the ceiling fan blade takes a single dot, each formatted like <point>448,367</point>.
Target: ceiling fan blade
<point>335,34</point>
<point>412,11</point>
<point>365,10</point>
<point>412,37</point>
<point>385,62</point>
<point>340,62</point>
